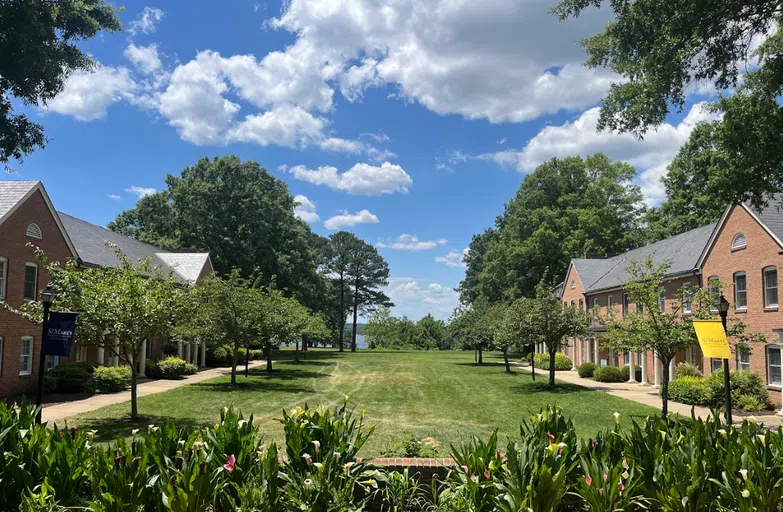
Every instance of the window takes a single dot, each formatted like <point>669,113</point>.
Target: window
<point>595,302</point>
<point>30,281</point>
<point>740,291</point>
<point>773,365</point>
<point>581,305</point>
<point>609,303</point>
<point>81,352</point>
<point>686,298</point>
<point>572,303</point>
<point>3,276</point>
<point>716,365</point>
<point>739,241</point>
<point>714,290</point>
<point>626,358</point>
<point>625,304</point>
<point>51,362</point>
<point>573,284</point>
<point>34,231</point>
<point>26,356</point>
<point>771,287</point>
<point>662,300</point>
<point>743,357</point>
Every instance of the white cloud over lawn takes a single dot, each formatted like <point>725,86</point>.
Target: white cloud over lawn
<point>87,95</point>
<point>453,258</point>
<point>305,209</point>
<point>417,297</point>
<point>345,219</point>
<point>407,242</point>
<point>361,179</point>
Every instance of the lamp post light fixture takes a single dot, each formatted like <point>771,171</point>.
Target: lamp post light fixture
<point>47,297</point>
<point>723,310</point>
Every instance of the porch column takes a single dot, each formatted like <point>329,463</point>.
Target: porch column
<point>203,347</point>
<point>597,350</point>
<point>194,353</point>
<point>115,360</point>
<point>99,355</point>
<point>656,370</point>
<point>643,364</point>
<point>179,349</point>
<point>631,372</point>
<point>143,357</point>
<point>671,370</point>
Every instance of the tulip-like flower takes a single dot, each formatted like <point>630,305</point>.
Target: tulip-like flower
<point>487,474</point>
<point>617,417</point>
<point>550,437</point>
<point>763,439</point>
<point>307,458</point>
<point>723,433</point>
<point>745,493</point>
<point>625,475</point>
<point>308,482</point>
<point>589,480</point>
<point>474,478</point>
<point>744,473</point>
<point>231,460</point>
<point>621,485</point>
<point>202,466</point>
<point>317,446</point>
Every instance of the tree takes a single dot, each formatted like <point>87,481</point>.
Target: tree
<point>343,247</point>
<point>469,287</point>
<point>564,209</point>
<point>367,271</point>
<point>38,52</point>
<point>663,48</point>
<point>507,330</point>
<point>473,327</point>
<point>543,319</point>
<point>241,215</point>
<point>429,333</point>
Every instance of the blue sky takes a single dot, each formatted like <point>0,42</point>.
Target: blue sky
<point>409,123</point>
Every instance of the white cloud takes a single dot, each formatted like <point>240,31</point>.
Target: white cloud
<point>339,145</point>
<point>140,191</point>
<point>503,140</point>
<point>406,242</point>
<point>147,21</point>
<point>145,58</point>
<point>454,258</point>
<point>346,219</point>
<point>361,179</point>
<point>285,126</point>
<point>415,298</point>
<point>651,155</point>
<point>113,197</point>
<point>87,95</point>
<point>305,209</point>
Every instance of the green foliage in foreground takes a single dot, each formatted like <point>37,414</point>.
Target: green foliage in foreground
<point>655,464</point>
<point>562,362</point>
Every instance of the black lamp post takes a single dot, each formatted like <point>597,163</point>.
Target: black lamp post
<point>47,297</point>
<point>723,309</point>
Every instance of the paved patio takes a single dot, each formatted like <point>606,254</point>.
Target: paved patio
<point>55,413</point>
<point>646,395</point>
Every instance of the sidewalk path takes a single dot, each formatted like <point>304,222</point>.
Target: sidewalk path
<point>61,411</point>
<point>647,395</point>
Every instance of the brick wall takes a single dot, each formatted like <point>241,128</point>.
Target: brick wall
<point>13,242</point>
<point>574,295</point>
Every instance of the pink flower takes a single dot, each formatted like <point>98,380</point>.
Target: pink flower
<point>589,480</point>
<point>606,477</point>
<point>465,469</point>
<point>230,461</point>
<point>621,485</point>
<point>600,490</point>
<point>487,475</point>
<point>551,437</point>
<point>474,478</point>
<point>308,459</point>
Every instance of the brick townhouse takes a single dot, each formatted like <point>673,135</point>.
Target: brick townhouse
<point>27,215</point>
<point>742,251</point>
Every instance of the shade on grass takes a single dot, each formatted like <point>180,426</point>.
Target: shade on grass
<point>442,395</point>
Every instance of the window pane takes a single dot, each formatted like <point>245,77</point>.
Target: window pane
<point>30,274</point>
<point>771,287</point>
<point>2,278</point>
<point>740,291</point>
<point>774,375</point>
<point>716,364</point>
<point>773,355</point>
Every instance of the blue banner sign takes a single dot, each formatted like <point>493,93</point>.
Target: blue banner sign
<point>58,334</point>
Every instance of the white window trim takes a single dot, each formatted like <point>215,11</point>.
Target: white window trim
<point>662,300</point>
<point>32,353</point>
<point>3,277</point>
<point>609,303</point>
<point>764,282</point>
<point>689,301</point>
<point>710,280</point>
<point>767,349</point>
<point>739,361</point>
<point>626,306</point>
<point>734,284</point>
<point>734,245</point>
<point>24,283</point>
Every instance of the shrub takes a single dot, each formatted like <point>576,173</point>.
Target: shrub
<point>412,446</point>
<point>151,370</point>
<point>689,390</point>
<point>608,374</point>
<point>256,355</point>
<point>69,378</point>
<point>587,370</point>
<point>174,368</point>
<point>111,379</point>
<point>637,372</point>
<point>744,383</point>
<point>170,349</point>
<point>562,362</point>
<point>687,370</point>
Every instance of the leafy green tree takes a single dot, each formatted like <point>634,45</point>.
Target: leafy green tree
<point>662,48</point>
<point>543,319</point>
<point>241,215</point>
<point>343,247</point>
<point>474,264</point>
<point>473,327</point>
<point>429,333</point>
<point>367,271</point>
<point>564,209</point>
<point>38,51</point>
<point>383,330</point>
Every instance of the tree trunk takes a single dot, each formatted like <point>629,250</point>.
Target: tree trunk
<point>475,355</point>
<point>533,365</point>
<point>134,398</point>
<point>342,312</point>
<point>665,390</point>
<point>269,359</point>
<point>551,368</point>
<point>247,360</point>
<point>234,357</point>
<point>505,358</point>
<point>305,344</point>
<point>355,311</point>
<point>481,354</point>
<point>296,353</point>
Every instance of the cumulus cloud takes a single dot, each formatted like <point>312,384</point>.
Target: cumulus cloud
<point>113,197</point>
<point>346,219</point>
<point>147,21</point>
<point>416,297</point>
<point>140,191</point>
<point>406,242</point>
<point>454,258</point>
<point>651,155</point>
<point>305,209</point>
<point>145,58</point>
<point>361,179</point>
<point>87,95</point>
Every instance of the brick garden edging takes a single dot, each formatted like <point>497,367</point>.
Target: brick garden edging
<point>427,469</point>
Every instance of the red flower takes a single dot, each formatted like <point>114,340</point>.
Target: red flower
<point>486,474</point>
<point>589,480</point>
<point>621,486</point>
<point>230,461</point>
<point>551,437</point>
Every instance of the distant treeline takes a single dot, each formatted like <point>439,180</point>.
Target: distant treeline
<point>388,332</point>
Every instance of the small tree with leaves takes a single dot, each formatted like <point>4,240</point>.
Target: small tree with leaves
<point>508,335</point>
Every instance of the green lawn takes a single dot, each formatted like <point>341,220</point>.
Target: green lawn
<point>443,395</point>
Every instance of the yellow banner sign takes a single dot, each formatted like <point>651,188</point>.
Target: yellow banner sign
<point>712,339</point>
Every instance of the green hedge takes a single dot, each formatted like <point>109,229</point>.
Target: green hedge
<point>587,370</point>
<point>171,368</point>
<point>69,378</point>
<point>637,372</point>
<point>111,379</point>
<point>687,370</point>
<point>689,390</point>
<point>748,391</point>
<point>609,374</point>
<point>562,363</point>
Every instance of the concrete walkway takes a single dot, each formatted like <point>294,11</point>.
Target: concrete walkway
<point>646,395</point>
<point>56,413</point>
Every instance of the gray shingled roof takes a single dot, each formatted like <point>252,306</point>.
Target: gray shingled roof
<point>90,242</point>
<point>682,251</point>
<point>11,192</point>
<point>772,215</point>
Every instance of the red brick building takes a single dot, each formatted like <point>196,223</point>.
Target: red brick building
<point>742,252</point>
<point>27,215</point>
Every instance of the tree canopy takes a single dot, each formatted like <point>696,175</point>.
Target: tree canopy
<point>390,332</point>
<point>38,52</point>
<point>367,272</point>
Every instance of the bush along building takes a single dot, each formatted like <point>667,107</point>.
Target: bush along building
<point>743,251</point>
<point>28,216</point>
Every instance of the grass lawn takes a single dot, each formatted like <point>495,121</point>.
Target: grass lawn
<point>443,395</point>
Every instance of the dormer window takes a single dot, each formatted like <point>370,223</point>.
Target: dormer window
<point>34,231</point>
<point>739,242</point>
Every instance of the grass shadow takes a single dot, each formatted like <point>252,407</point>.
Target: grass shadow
<point>487,364</point>
<point>253,386</point>
<point>542,386</point>
<point>110,429</point>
